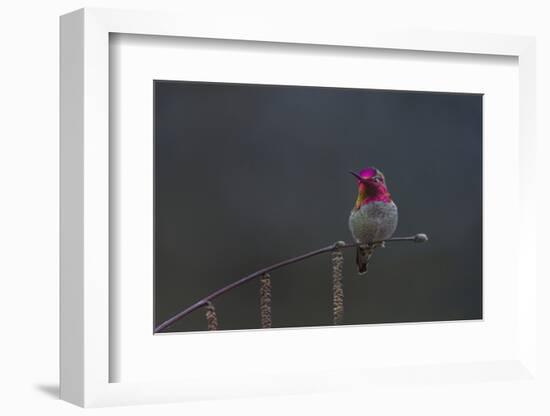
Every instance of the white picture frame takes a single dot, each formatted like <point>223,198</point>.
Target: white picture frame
<point>85,209</point>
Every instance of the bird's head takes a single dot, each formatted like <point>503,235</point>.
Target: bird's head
<point>371,187</point>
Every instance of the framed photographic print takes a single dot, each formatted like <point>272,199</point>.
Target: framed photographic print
<point>269,211</point>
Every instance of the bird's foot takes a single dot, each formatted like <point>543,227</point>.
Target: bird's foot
<point>373,246</point>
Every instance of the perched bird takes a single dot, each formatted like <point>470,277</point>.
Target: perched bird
<point>373,217</point>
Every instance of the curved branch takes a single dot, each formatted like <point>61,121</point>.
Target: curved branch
<point>418,238</point>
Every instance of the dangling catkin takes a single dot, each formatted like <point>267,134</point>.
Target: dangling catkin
<point>265,300</point>
<point>211,317</point>
<point>337,284</point>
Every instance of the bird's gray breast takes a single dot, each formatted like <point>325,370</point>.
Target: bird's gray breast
<point>374,221</point>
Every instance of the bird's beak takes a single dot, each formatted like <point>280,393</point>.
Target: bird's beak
<point>359,178</point>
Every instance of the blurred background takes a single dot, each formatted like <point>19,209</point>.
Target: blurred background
<point>249,175</point>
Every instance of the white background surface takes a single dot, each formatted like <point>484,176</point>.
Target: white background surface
<point>29,209</point>
<point>139,60</point>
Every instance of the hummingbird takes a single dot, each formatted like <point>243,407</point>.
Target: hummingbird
<point>373,218</point>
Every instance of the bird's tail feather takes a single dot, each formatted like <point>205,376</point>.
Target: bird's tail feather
<point>363,255</point>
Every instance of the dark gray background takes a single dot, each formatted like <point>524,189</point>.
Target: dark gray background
<point>248,175</point>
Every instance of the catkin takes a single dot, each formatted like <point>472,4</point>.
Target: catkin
<point>337,286</point>
<point>265,301</point>
<point>211,317</point>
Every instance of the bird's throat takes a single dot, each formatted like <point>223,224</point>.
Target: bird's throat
<point>371,192</point>
<point>361,196</point>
